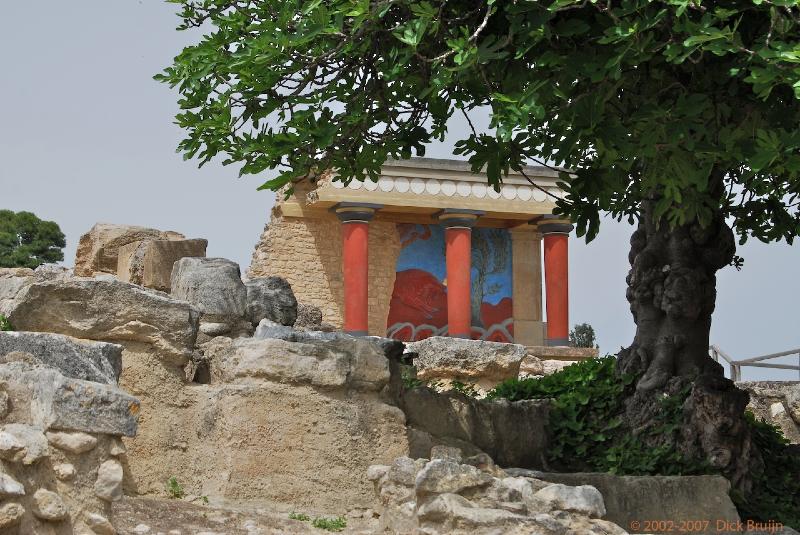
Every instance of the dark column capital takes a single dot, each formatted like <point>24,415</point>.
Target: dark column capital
<point>553,224</point>
<point>458,218</point>
<point>361,212</point>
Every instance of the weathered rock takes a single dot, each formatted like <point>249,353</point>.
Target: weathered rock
<point>793,402</point>
<point>446,452</point>
<point>22,443</point>
<point>582,499</point>
<point>48,505</point>
<point>64,471</point>
<point>308,317</point>
<point>391,349</point>
<point>271,298</point>
<point>108,485</point>
<point>117,448</point>
<point>443,476</point>
<point>212,285</point>
<point>512,433</point>
<point>777,402</point>
<point>72,442</point>
<point>5,406</point>
<point>333,363</point>
<point>478,361</point>
<point>100,524</point>
<point>100,362</point>
<point>630,499</point>
<point>107,310</point>
<point>98,249</point>
<point>58,402</point>
<point>10,487</point>
<point>149,263</point>
<point>10,515</point>
<point>447,497</point>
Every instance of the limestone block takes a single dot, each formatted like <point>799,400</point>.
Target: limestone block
<point>512,433</point>
<point>100,362</point>
<point>108,486</point>
<point>444,476</point>
<point>10,515</point>
<point>441,357</point>
<point>106,310</point>
<point>48,505</point>
<point>581,499</point>
<point>149,263</point>
<point>333,363</point>
<point>72,442</point>
<point>212,285</point>
<point>100,524</point>
<point>10,487</point>
<point>271,298</point>
<point>22,443</point>
<point>64,471</point>
<point>98,249</point>
<point>58,402</point>
<point>632,498</point>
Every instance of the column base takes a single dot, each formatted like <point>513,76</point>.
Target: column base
<point>357,333</point>
<point>556,342</point>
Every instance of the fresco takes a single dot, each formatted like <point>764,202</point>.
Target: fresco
<point>419,302</point>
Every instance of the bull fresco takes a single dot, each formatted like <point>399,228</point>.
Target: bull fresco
<point>419,302</point>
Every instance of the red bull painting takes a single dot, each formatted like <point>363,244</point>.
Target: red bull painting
<point>419,302</point>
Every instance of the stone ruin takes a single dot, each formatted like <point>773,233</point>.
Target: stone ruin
<point>116,382</point>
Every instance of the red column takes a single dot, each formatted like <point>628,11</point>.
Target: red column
<point>355,219</point>
<point>458,243</point>
<point>556,279</point>
<point>458,254</point>
<point>355,256</point>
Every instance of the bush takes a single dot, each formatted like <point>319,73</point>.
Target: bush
<point>582,335</point>
<point>175,489</point>
<point>5,325</point>
<point>587,433</point>
<point>330,524</point>
<point>585,413</point>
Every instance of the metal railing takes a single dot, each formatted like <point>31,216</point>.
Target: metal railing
<point>735,366</point>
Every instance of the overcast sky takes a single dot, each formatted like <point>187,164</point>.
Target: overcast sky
<point>86,135</point>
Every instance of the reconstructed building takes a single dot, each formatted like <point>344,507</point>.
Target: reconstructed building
<point>428,249</point>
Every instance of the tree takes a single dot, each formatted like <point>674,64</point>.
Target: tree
<point>582,335</point>
<point>27,241</point>
<point>679,116</point>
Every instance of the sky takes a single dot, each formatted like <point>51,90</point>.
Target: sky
<point>87,136</point>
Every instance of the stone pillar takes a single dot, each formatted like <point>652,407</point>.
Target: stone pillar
<point>458,255</point>
<point>355,218</point>
<point>556,276</point>
<point>526,244</point>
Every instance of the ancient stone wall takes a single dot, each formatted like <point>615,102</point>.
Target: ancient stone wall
<point>308,253</point>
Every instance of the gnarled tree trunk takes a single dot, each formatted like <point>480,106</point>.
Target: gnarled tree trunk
<point>672,292</point>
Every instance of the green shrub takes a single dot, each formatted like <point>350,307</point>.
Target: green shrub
<point>174,489</point>
<point>586,433</point>
<point>330,524</point>
<point>302,517</point>
<point>587,404</point>
<point>5,325</point>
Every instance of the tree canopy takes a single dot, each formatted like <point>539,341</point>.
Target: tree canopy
<point>693,105</point>
<point>27,241</point>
